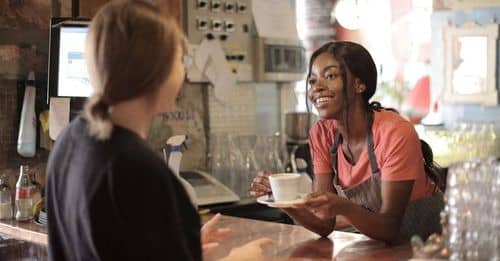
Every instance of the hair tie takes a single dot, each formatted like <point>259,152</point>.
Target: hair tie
<point>375,105</point>
<point>102,108</point>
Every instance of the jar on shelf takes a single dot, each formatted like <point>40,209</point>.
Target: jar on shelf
<point>5,198</point>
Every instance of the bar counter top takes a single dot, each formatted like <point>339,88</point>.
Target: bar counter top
<point>25,230</point>
<point>290,242</point>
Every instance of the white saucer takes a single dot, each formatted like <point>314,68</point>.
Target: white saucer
<point>269,201</point>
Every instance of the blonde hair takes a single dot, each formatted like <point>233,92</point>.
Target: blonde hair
<point>130,51</point>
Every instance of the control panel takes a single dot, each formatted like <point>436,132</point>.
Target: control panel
<point>281,60</point>
<point>229,22</point>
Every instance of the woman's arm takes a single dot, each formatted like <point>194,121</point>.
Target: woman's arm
<point>307,219</point>
<point>304,217</point>
<point>383,225</point>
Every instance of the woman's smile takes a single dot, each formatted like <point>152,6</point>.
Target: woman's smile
<point>323,101</point>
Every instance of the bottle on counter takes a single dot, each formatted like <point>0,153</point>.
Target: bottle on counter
<point>36,191</point>
<point>5,198</point>
<point>24,197</point>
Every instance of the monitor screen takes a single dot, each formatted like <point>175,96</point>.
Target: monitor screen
<point>73,78</point>
<point>68,76</point>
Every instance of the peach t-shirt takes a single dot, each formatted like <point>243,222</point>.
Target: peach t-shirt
<point>397,150</point>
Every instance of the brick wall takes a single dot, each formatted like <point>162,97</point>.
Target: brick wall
<point>8,124</point>
<point>23,47</point>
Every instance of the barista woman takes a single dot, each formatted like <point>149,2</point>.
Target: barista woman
<point>109,197</point>
<point>369,163</point>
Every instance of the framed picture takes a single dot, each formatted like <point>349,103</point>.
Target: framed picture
<point>466,4</point>
<point>470,64</point>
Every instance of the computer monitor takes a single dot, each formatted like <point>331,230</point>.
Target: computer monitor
<point>68,76</point>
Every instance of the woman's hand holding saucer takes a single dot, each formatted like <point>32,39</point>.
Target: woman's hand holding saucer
<point>324,205</point>
<point>260,184</point>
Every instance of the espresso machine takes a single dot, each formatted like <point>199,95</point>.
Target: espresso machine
<point>297,125</point>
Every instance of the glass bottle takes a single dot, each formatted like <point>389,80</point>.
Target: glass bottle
<point>24,197</point>
<point>5,198</point>
<point>273,155</point>
<point>250,167</point>
<point>236,166</point>
<point>219,154</point>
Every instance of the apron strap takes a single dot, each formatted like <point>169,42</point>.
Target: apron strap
<point>334,154</point>
<point>371,146</point>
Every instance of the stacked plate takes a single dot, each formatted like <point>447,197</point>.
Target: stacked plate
<point>42,217</point>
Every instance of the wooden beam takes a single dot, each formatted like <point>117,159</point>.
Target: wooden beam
<point>88,8</point>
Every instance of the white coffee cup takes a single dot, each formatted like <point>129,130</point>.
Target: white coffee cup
<point>285,186</point>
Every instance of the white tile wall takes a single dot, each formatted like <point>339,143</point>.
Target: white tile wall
<point>238,116</point>
<point>254,108</point>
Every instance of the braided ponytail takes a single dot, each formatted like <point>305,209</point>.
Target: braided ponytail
<point>97,114</point>
<point>432,170</point>
<point>376,106</point>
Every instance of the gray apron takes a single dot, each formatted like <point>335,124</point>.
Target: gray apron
<point>422,216</point>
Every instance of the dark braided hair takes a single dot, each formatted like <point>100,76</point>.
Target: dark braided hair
<point>355,58</point>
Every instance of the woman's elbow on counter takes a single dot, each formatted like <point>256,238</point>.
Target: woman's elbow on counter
<point>327,229</point>
<point>389,236</point>
<point>323,231</point>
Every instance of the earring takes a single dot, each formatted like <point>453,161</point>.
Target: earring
<point>361,88</point>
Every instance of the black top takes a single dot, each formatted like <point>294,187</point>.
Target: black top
<point>116,200</point>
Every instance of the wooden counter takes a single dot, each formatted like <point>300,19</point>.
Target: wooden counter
<point>25,230</point>
<point>290,242</point>
<point>296,243</point>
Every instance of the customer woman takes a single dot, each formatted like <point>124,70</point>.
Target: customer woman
<point>368,161</point>
<point>109,197</point>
